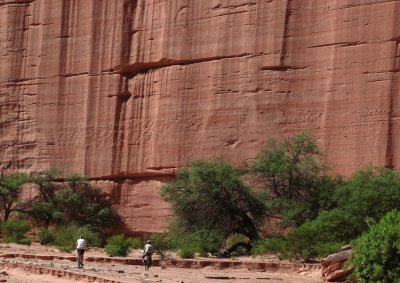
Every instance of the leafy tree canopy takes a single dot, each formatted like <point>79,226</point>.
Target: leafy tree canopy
<point>45,183</point>
<point>369,194</point>
<point>376,256</point>
<point>291,174</point>
<point>211,195</point>
<point>10,187</point>
<point>363,199</point>
<point>77,201</point>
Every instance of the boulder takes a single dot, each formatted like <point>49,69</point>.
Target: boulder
<point>334,268</point>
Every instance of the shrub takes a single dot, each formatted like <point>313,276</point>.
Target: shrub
<point>66,237</point>
<point>369,194</point>
<point>202,241</point>
<point>46,236</point>
<point>162,243</point>
<point>376,256</point>
<point>14,231</point>
<point>274,245</point>
<point>118,245</point>
<point>189,243</point>
<point>187,251</point>
<point>308,241</point>
<point>135,243</point>
<point>323,249</point>
<point>25,241</point>
<point>302,240</point>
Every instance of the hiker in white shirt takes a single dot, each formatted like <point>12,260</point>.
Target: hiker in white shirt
<point>80,247</point>
<point>148,252</point>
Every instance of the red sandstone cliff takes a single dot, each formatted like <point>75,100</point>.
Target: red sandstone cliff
<point>117,88</point>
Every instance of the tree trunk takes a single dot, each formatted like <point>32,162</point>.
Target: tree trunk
<point>228,252</point>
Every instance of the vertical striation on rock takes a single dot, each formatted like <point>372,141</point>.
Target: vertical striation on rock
<point>136,88</point>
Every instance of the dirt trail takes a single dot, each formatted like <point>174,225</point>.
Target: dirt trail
<point>34,259</point>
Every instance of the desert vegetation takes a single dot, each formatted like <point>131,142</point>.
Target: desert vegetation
<point>59,211</point>
<point>214,202</point>
<point>221,210</point>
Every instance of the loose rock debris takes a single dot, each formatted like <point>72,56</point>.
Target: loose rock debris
<point>117,270</point>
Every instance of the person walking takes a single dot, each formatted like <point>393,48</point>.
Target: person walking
<point>80,247</point>
<point>147,253</point>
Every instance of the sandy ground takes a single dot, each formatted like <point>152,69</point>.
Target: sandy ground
<point>18,276</point>
<point>132,273</point>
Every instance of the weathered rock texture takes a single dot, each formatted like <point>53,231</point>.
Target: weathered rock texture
<point>334,268</point>
<point>120,89</point>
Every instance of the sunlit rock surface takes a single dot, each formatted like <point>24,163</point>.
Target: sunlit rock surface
<point>125,91</point>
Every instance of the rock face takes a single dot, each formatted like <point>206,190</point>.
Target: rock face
<point>132,89</point>
<point>334,267</point>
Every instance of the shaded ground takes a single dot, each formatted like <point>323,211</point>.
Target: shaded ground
<point>134,273</point>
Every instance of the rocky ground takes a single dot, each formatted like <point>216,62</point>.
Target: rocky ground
<point>36,263</point>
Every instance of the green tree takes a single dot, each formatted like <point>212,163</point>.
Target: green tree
<point>45,183</point>
<point>369,194</point>
<point>85,205</point>
<point>46,212</point>
<point>376,255</point>
<point>77,202</point>
<point>364,198</point>
<point>211,195</point>
<point>75,181</point>
<point>291,174</point>
<point>10,188</point>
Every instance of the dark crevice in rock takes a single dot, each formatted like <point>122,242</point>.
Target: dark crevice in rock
<point>283,68</point>
<point>16,2</point>
<point>135,177</point>
<point>123,93</point>
<point>339,44</point>
<point>130,71</point>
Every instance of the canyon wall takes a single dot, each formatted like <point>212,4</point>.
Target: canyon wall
<point>126,91</point>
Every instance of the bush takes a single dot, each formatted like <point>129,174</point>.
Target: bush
<point>46,236</point>
<point>162,243</point>
<point>118,245</point>
<point>308,241</point>
<point>376,256</point>
<point>189,243</point>
<point>187,251</point>
<point>324,249</point>
<point>369,194</point>
<point>14,231</point>
<point>66,237</point>
<point>302,241</point>
<point>201,241</point>
<point>274,245</point>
